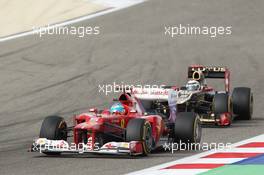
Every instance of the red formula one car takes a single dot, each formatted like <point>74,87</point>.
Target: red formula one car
<point>139,124</point>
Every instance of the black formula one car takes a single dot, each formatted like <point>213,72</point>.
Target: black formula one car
<point>217,107</point>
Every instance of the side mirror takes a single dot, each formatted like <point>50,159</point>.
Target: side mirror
<point>133,111</point>
<point>95,110</point>
<point>184,88</point>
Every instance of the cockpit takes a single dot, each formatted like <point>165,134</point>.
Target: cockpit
<point>193,85</point>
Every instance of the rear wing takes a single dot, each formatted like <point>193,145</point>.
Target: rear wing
<point>214,72</point>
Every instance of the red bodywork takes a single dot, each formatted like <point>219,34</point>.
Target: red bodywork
<point>225,119</point>
<point>96,123</point>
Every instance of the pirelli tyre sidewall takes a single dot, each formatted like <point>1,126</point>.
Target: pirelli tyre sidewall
<point>221,103</point>
<point>140,130</point>
<point>187,128</point>
<point>242,99</point>
<point>53,128</point>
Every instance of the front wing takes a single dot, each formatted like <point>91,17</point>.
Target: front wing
<point>44,145</point>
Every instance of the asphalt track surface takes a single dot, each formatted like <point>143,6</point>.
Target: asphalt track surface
<point>61,74</point>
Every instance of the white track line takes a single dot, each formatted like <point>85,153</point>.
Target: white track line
<point>245,150</point>
<point>214,160</point>
<point>75,20</point>
<point>157,169</point>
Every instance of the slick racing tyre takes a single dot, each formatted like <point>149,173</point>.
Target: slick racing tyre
<point>187,128</point>
<point>140,130</point>
<point>221,103</point>
<point>242,98</point>
<point>53,128</point>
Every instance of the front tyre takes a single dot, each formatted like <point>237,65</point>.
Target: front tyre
<point>221,103</point>
<point>53,128</point>
<point>140,130</point>
<point>187,128</point>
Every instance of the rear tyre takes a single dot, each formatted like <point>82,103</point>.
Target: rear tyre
<point>187,128</point>
<point>242,98</point>
<point>140,130</point>
<point>53,128</point>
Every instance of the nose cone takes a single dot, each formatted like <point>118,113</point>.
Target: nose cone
<point>92,124</point>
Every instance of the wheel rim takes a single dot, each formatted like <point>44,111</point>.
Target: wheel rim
<point>148,138</point>
<point>197,131</point>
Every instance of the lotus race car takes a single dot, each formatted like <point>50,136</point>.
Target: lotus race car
<point>218,107</point>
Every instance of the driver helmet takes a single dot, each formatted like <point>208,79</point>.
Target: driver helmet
<point>117,108</point>
<point>193,85</point>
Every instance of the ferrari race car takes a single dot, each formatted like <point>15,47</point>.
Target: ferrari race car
<point>135,125</point>
<point>218,107</point>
